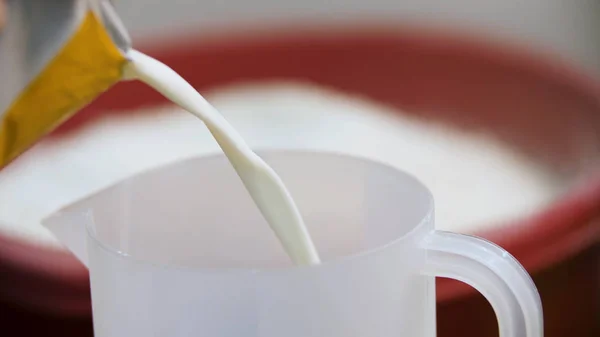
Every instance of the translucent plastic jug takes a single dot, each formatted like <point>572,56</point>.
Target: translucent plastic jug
<point>183,251</point>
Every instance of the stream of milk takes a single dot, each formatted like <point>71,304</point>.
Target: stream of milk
<point>262,183</point>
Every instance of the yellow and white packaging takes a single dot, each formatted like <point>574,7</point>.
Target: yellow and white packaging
<point>55,58</point>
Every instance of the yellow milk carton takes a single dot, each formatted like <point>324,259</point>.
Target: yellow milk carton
<point>56,56</point>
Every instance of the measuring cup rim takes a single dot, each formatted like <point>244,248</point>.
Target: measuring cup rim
<point>409,235</point>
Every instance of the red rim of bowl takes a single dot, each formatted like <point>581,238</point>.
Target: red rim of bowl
<point>54,281</point>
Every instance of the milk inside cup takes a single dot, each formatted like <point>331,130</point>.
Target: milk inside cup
<point>55,58</point>
<point>181,250</point>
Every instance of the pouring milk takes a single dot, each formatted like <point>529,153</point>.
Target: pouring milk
<point>52,65</point>
<point>264,185</point>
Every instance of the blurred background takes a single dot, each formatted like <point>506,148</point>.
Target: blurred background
<point>568,30</point>
<point>493,104</point>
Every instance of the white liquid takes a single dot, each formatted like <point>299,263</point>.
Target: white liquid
<point>264,185</point>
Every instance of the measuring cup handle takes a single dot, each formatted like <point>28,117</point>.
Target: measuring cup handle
<point>495,273</point>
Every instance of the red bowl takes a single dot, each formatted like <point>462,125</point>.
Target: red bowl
<point>538,105</point>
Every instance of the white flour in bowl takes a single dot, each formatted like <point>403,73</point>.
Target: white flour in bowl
<point>477,183</point>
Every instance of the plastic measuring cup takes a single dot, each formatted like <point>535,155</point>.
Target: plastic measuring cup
<point>183,251</point>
